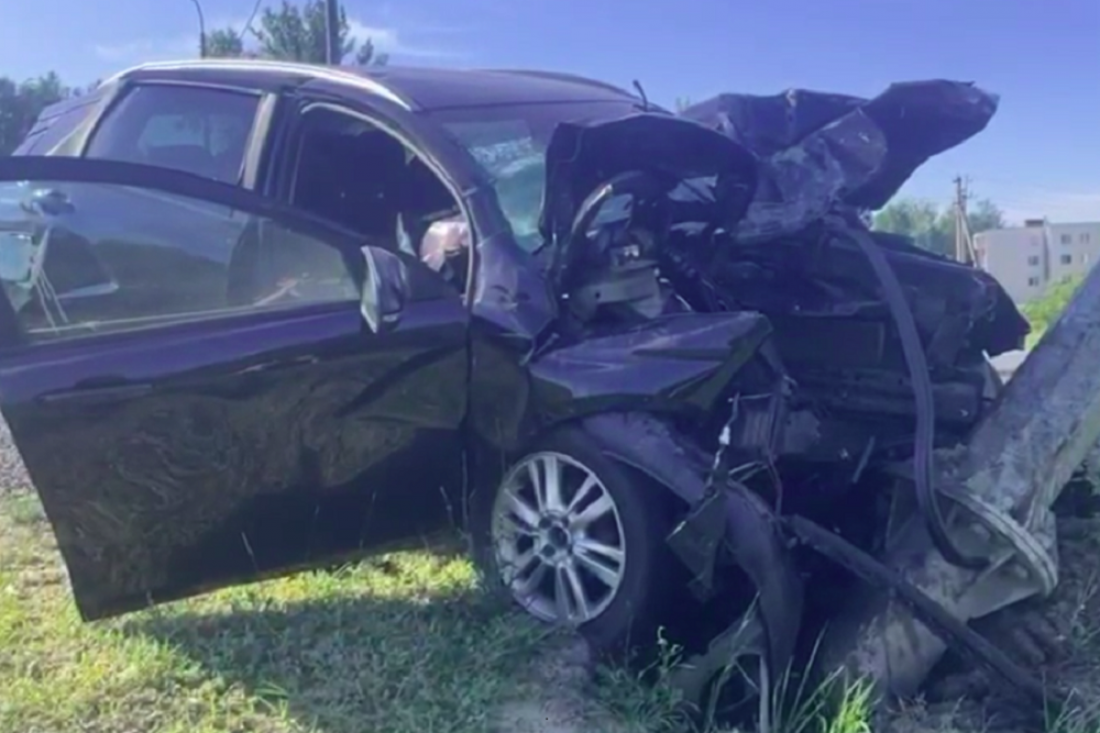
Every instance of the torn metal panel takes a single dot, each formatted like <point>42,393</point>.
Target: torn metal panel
<point>818,150</point>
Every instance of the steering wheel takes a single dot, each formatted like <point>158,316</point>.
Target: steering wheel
<point>649,214</point>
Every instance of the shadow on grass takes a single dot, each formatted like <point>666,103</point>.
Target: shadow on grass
<point>353,664</point>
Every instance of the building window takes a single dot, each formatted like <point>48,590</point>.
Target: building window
<point>1067,259</point>
<point>1083,238</point>
<point>1067,239</point>
<point>1033,282</point>
<point>1033,261</point>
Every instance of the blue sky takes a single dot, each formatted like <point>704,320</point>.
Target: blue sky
<point>1039,156</point>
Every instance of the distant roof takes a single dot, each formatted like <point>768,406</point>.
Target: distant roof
<point>414,87</point>
<point>1057,224</point>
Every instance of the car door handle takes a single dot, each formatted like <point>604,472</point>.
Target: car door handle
<point>99,389</point>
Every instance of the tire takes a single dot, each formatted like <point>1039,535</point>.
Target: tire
<point>631,617</point>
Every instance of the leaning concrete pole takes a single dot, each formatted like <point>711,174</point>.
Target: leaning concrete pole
<point>1000,487</point>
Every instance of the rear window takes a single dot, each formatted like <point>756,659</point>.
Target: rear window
<point>53,129</point>
<point>193,129</point>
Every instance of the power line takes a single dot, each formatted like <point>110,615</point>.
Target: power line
<point>252,16</point>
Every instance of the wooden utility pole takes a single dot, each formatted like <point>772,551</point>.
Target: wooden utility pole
<point>332,32</point>
<point>964,245</point>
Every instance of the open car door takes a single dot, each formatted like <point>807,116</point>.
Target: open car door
<point>199,400</point>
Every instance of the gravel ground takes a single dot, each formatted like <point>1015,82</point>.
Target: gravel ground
<point>13,476</point>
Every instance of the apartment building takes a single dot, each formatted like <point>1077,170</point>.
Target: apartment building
<point>1030,258</point>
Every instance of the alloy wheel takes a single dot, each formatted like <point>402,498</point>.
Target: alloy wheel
<point>558,538</point>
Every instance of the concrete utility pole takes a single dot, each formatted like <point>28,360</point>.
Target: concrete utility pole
<point>964,245</point>
<point>332,32</point>
<point>1000,487</point>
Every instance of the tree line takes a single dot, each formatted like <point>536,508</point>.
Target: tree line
<point>292,33</point>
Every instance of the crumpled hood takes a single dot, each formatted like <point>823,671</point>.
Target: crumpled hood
<point>584,155</point>
<point>819,150</point>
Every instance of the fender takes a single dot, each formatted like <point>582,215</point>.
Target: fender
<point>737,528</point>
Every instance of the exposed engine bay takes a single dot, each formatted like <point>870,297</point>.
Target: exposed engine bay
<point>832,326</point>
<point>884,346</point>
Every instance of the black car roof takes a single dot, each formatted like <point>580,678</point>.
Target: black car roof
<point>418,88</point>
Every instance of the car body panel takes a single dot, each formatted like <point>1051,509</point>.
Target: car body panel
<point>675,365</point>
<point>197,454</point>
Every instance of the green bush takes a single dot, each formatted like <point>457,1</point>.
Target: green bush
<point>1043,312</point>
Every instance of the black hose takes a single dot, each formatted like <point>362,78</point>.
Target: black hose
<point>924,434</point>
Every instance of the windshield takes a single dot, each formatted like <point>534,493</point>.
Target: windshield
<point>510,141</point>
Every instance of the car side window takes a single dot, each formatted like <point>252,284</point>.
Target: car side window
<point>198,130</point>
<point>84,258</point>
<point>351,172</point>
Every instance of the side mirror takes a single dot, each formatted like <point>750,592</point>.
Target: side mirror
<point>385,289</point>
<point>52,202</point>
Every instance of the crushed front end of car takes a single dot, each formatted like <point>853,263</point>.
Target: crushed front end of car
<point>828,417</point>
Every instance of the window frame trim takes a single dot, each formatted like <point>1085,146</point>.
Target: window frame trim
<point>195,322</point>
<point>257,135</point>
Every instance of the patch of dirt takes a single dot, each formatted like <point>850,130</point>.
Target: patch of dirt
<point>1058,638</point>
<point>558,699</point>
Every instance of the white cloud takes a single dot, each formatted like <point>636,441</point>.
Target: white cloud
<point>390,41</point>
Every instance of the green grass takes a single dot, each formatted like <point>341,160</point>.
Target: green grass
<point>404,643</point>
<point>400,644</point>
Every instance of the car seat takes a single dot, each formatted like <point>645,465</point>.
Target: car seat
<point>188,158</point>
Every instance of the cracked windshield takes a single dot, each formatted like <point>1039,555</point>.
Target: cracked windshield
<point>455,366</point>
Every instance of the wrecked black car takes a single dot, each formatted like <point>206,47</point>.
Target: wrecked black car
<point>261,317</point>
